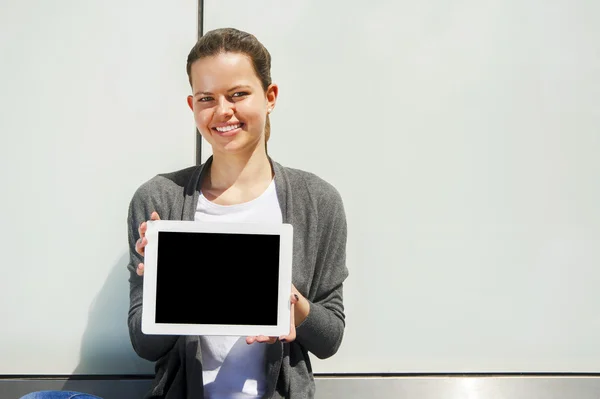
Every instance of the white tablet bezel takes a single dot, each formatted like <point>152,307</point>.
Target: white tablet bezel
<point>284,231</point>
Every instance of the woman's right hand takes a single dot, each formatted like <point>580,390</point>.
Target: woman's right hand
<point>141,243</point>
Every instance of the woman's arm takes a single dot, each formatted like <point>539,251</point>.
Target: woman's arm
<point>322,330</point>
<point>149,347</point>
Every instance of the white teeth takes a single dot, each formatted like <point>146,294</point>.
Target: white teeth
<point>228,128</point>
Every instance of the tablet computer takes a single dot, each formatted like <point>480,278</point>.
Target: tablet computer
<point>213,278</point>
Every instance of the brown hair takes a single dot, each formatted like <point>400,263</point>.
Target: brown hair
<point>230,40</point>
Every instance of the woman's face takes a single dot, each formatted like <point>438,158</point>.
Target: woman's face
<point>229,104</point>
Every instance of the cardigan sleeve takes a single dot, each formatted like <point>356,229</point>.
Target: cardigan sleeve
<point>149,347</point>
<point>322,331</point>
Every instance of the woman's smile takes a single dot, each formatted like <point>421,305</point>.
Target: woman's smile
<point>228,130</point>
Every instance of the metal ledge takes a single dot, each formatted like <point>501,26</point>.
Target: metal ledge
<point>330,387</point>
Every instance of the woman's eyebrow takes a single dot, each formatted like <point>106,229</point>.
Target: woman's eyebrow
<point>239,87</point>
<point>203,93</point>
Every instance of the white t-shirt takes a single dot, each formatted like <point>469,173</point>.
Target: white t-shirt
<point>231,368</point>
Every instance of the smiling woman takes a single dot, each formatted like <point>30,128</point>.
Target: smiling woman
<point>232,97</point>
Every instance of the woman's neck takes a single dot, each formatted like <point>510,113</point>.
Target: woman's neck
<point>237,178</point>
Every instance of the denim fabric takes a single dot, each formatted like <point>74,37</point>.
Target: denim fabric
<point>59,395</point>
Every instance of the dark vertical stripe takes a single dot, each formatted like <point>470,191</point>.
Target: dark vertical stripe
<point>200,33</point>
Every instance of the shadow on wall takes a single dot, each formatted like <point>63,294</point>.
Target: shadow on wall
<point>105,348</point>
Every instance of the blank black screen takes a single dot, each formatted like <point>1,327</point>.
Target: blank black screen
<point>216,278</point>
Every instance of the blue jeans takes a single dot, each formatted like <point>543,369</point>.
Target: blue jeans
<point>59,395</point>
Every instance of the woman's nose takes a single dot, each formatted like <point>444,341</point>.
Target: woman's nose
<point>225,109</point>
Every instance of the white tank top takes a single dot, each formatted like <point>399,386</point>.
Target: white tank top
<point>232,369</point>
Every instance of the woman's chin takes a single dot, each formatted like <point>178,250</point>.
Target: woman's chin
<point>234,148</point>
<point>237,147</point>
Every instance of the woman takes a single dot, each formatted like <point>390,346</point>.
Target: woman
<point>232,97</point>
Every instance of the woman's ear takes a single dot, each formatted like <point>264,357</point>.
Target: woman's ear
<point>272,92</point>
<point>190,101</point>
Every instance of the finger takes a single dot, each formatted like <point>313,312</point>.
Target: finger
<point>293,316</point>
<point>262,339</point>
<point>266,340</point>
<point>142,241</point>
<point>140,245</point>
<point>294,298</point>
<point>144,226</point>
<point>292,335</point>
<point>142,229</point>
<point>140,269</point>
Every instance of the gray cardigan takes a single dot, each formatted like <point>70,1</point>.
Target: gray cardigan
<point>315,209</point>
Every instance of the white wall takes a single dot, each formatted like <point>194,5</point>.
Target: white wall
<point>92,104</point>
<point>464,139</point>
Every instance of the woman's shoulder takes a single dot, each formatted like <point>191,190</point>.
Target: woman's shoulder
<point>319,188</point>
<point>167,184</point>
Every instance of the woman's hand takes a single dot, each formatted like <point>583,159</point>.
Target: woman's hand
<point>284,338</point>
<point>141,243</point>
<point>299,312</point>
<point>301,308</point>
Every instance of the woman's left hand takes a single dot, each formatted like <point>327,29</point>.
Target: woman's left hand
<point>284,338</point>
